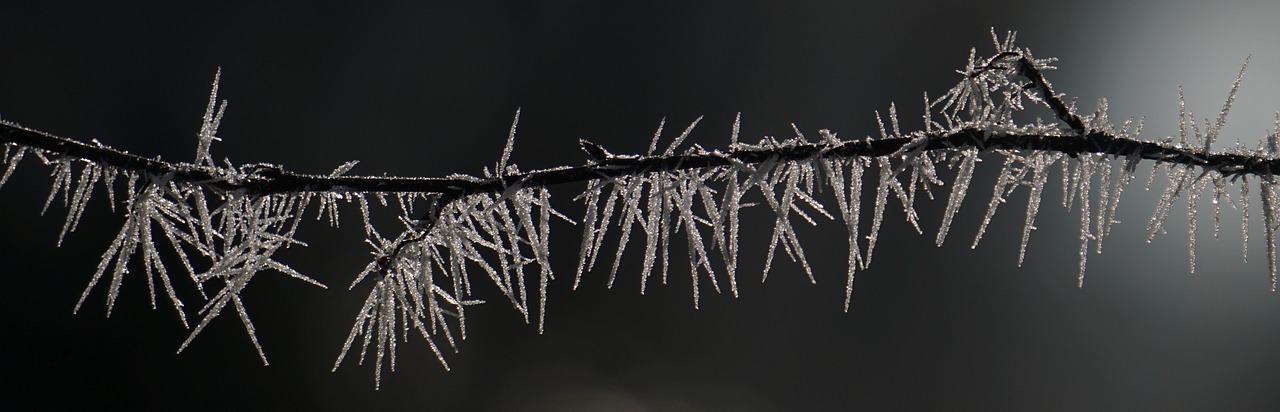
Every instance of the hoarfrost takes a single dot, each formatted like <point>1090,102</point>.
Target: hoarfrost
<point>209,127</point>
<point>959,188</point>
<point>498,227</point>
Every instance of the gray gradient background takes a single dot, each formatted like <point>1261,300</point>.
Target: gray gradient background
<point>430,89</point>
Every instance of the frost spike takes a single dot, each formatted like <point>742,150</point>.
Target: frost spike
<point>653,144</point>
<point>209,126</point>
<point>1226,107</point>
<point>1086,175</point>
<point>996,199</point>
<point>680,139</point>
<point>877,214</point>
<point>501,169</point>
<point>1244,218</point>
<point>1193,201</point>
<point>13,164</point>
<point>1039,176</point>
<point>1270,221</point>
<point>958,189</point>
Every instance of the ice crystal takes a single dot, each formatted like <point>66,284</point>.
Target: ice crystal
<point>1040,164</point>
<point>506,150</point>
<point>209,127</point>
<point>959,188</point>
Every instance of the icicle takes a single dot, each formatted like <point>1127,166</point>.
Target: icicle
<point>209,126</point>
<point>1219,191</point>
<point>959,188</point>
<point>653,144</point>
<point>1244,217</point>
<point>729,209</point>
<point>1074,184</point>
<point>1039,176</point>
<point>84,189</point>
<point>1066,185</point>
<point>893,119</point>
<point>737,126</point>
<point>680,139</point>
<point>851,222</point>
<point>1004,180</point>
<point>928,115</point>
<point>501,169</point>
<point>13,164</point>
<point>654,232</point>
<point>1086,175</point>
<point>1104,198</point>
<point>1193,202</point>
<point>632,215</point>
<point>663,190</point>
<point>61,184</point>
<point>1226,107</point>
<point>697,253</point>
<point>592,199</point>
<point>1127,172</point>
<point>544,253</point>
<point>783,231</point>
<point>877,214</point>
<point>1270,220</point>
<point>1182,119</point>
<point>1177,179</point>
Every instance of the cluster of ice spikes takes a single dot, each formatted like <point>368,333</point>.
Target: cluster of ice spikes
<point>224,222</point>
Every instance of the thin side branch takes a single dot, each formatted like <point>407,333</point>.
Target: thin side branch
<point>284,181</point>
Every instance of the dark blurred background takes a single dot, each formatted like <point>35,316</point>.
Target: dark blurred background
<point>427,90</point>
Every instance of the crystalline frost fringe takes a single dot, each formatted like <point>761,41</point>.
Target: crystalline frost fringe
<point>225,222</point>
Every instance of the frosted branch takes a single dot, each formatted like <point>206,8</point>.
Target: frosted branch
<point>496,226</point>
